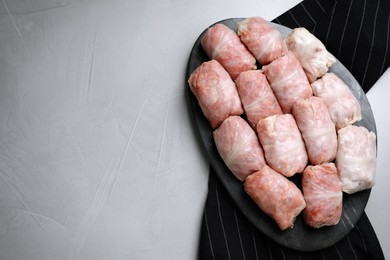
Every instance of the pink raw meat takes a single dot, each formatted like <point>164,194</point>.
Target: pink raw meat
<point>343,107</point>
<point>288,81</point>
<point>310,52</point>
<point>276,196</point>
<point>317,129</point>
<point>216,92</point>
<point>323,195</point>
<point>284,149</point>
<point>356,158</point>
<point>222,44</point>
<point>239,147</point>
<point>256,96</point>
<point>262,39</point>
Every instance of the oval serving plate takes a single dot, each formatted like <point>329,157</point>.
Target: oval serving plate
<point>301,237</point>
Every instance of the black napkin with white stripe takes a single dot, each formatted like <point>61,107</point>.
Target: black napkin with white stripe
<point>357,32</point>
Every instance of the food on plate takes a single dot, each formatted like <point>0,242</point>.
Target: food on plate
<point>288,81</point>
<point>284,149</point>
<point>276,196</point>
<point>317,129</point>
<point>223,44</point>
<point>310,52</point>
<point>262,39</point>
<point>291,116</point>
<point>323,195</point>
<point>356,158</point>
<point>257,97</point>
<point>343,107</point>
<point>239,147</point>
<point>216,92</point>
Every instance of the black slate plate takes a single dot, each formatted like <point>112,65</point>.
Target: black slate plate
<point>301,237</point>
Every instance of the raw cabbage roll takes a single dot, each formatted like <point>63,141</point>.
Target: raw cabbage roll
<point>239,147</point>
<point>223,44</point>
<point>288,81</point>
<point>343,107</point>
<point>216,92</point>
<point>262,39</point>
<point>310,52</point>
<point>317,129</point>
<point>323,195</point>
<point>284,149</point>
<point>257,97</point>
<point>276,196</point>
<point>356,158</point>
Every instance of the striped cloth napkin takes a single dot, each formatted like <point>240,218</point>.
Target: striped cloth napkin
<point>357,32</point>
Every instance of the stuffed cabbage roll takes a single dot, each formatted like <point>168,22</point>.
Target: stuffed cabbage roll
<point>276,196</point>
<point>356,158</point>
<point>239,147</point>
<point>310,52</point>
<point>317,129</point>
<point>288,81</point>
<point>323,195</point>
<point>216,92</point>
<point>223,44</point>
<point>284,149</point>
<point>262,39</point>
<point>257,97</point>
<point>343,107</point>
